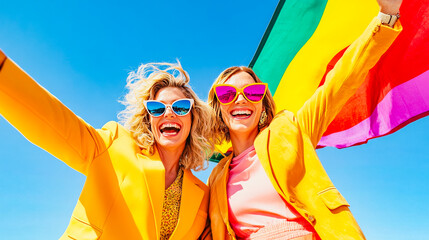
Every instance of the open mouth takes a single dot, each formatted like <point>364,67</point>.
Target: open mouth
<point>241,113</point>
<point>170,129</point>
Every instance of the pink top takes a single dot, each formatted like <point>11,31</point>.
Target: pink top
<point>253,201</point>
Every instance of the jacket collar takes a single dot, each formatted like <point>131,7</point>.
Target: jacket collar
<point>192,195</point>
<point>220,190</point>
<point>154,184</point>
<point>154,179</point>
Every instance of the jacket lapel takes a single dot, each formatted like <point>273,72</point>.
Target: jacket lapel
<point>220,191</point>
<point>192,195</point>
<point>154,181</point>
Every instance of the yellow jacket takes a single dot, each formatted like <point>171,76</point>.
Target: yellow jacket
<point>124,190</point>
<point>286,148</point>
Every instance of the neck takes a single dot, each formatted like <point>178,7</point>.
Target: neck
<point>170,159</point>
<point>241,142</point>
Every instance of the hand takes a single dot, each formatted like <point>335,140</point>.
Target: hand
<point>390,7</point>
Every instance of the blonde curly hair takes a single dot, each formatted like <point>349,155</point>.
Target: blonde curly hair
<point>220,129</point>
<point>144,84</point>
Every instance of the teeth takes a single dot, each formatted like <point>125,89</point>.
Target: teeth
<point>241,112</point>
<point>170,125</point>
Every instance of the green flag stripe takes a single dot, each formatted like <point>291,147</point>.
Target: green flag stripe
<point>267,32</point>
<point>293,23</point>
<point>289,29</point>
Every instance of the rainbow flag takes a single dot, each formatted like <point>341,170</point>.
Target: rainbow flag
<point>304,40</point>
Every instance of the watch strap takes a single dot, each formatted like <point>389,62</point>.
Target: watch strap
<point>388,19</point>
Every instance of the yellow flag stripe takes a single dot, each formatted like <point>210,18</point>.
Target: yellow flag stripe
<point>337,29</point>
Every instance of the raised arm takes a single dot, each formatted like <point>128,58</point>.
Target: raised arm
<point>45,121</point>
<point>348,74</point>
<point>390,7</point>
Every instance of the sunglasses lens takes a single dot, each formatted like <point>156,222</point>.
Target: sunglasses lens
<point>182,107</point>
<point>155,109</point>
<point>255,93</point>
<point>225,94</point>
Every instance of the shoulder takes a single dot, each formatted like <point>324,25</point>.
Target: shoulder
<point>283,118</point>
<point>223,163</point>
<point>196,181</point>
<point>115,127</point>
<point>113,131</point>
<point>285,114</point>
<point>283,128</point>
<point>219,168</point>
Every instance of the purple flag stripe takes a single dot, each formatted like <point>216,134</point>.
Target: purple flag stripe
<point>404,102</point>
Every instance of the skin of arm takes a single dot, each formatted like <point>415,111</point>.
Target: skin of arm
<point>390,7</point>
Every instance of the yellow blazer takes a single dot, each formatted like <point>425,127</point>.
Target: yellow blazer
<point>124,190</point>
<point>286,148</point>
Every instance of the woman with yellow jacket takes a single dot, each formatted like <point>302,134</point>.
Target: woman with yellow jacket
<point>272,184</point>
<point>138,179</point>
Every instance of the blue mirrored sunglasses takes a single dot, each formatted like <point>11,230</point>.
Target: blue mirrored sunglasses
<point>180,107</point>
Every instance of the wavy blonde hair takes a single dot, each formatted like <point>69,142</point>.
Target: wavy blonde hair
<point>144,84</point>
<point>220,128</point>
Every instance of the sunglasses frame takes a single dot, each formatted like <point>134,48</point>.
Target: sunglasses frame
<point>240,90</point>
<point>169,105</point>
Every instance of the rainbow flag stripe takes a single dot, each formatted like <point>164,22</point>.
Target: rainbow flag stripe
<point>305,39</point>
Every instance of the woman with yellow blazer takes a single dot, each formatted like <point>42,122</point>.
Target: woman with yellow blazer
<point>138,179</point>
<point>272,184</point>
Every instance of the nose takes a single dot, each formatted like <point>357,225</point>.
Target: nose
<point>169,112</point>
<point>240,99</point>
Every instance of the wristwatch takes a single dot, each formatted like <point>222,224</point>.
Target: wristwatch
<point>388,19</point>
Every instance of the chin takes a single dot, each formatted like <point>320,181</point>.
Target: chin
<point>169,143</point>
<point>242,128</point>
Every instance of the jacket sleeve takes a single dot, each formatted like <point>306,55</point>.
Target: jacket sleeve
<point>46,122</point>
<point>346,77</point>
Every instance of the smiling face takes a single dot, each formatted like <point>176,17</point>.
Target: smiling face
<point>241,116</point>
<point>170,131</point>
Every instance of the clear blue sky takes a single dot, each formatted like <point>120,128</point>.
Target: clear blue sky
<point>81,52</point>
